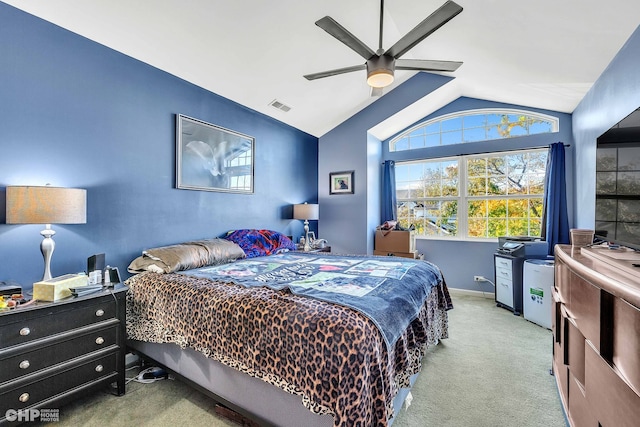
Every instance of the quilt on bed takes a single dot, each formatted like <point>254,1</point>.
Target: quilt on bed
<point>332,355</point>
<point>389,290</point>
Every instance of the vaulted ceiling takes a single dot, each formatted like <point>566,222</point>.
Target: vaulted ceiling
<point>541,53</point>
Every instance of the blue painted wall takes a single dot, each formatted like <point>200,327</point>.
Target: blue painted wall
<point>75,113</point>
<point>615,95</point>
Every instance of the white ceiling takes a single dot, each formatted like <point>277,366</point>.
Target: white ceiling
<point>537,53</point>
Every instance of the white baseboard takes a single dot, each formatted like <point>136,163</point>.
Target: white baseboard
<point>488,295</point>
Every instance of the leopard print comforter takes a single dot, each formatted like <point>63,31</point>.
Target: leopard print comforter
<point>332,356</point>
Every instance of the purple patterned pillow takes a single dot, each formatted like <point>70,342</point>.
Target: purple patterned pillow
<point>260,242</point>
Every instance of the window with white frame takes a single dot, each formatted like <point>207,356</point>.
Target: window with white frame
<point>475,196</point>
<point>473,126</point>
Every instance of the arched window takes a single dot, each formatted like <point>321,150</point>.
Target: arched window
<point>473,126</point>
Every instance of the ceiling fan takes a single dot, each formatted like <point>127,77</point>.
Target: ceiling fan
<point>381,64</point>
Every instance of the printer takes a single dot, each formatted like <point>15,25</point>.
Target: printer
<point>522,246</point>
<point>509,260</point>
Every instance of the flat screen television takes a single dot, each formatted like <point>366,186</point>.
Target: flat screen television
<point>617,213</point>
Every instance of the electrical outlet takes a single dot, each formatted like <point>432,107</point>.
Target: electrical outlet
<point>479,279</point>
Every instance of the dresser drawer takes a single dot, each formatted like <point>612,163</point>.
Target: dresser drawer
<point>612,401</point>
<point>504,263</point>
<point>24,327</point>
<point>29,393</point>
<point>48,352</point>
<point>504,291</point>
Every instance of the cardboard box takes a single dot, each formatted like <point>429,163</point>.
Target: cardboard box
<point>395,241</point>
<point>57,288</point>
<point>414,254</point>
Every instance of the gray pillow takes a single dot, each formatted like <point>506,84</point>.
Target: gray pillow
<point>185,256</point>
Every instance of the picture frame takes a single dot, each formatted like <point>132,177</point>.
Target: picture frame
<point>212,158</point>
<point>341,182</point>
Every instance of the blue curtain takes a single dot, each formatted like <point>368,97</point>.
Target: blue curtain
<point>555,221</point>
<point>389,203</point>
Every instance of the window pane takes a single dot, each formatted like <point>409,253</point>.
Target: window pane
<point>535,207</point>
<point>497,228</point>
<point>474,121</point>
<point>433,140</point>
<point>476,134</point>
<point>477,209</point>
<point>419,132</point>
<point>498,208</point>
<point>497,185</point>
<point>493,119</point>
<point>535,228</point>
<point>454,137</point>
<point>432,128</point>
<point>416,142</point>
<point>518,227</point>
<point>401,144</point>
<point>477,187</point>
<point>450,187</point>
<point>518,208</point>
<point>478,227</point>
<point>452,124</point>
<point>477,167</point>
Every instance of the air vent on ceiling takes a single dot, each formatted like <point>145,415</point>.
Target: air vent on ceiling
<point>279,105</point>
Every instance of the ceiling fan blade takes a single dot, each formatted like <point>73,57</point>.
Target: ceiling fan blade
<point>430,24</point>
<point>376,91</point>
<point>426,65</point>
<point>335,72</point>
<point>339,32</point>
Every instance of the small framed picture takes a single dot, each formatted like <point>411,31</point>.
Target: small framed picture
<point>341,182</point>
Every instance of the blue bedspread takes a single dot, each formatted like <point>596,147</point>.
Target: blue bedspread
<point>390,291</point>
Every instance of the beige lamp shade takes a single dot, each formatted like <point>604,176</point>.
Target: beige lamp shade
<point>46,205</point>
<point>307,211</point>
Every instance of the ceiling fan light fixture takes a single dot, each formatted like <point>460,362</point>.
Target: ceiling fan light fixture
<point>380,71</point>
<point>380,78</point>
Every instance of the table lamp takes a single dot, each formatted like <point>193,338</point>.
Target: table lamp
<point>46,205</point>
<point>306,211</point>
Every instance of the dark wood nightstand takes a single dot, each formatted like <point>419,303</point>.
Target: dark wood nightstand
<point>53,352</point>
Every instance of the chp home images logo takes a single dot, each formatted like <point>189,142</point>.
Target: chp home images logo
<point>28,415</point>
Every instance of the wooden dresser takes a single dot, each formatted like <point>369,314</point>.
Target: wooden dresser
<point>52,353</point>
<point>596,350</point>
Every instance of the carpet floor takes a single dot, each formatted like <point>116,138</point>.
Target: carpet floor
<point>492,371</point>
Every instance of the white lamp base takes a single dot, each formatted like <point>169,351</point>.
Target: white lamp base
<point>46,247</point>
<point>307,246</point>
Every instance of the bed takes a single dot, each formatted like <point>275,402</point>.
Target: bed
<point>287,338</point>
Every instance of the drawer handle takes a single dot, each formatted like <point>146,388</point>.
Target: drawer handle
<point>99,340</point>
<point>25,331</point>
<point>24,364</point>
<point>99,368</point>
<point>100,313</point>
<point>24,397</point>
<point>504,273</point>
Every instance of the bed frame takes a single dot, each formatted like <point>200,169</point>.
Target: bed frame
<point>251,397</point>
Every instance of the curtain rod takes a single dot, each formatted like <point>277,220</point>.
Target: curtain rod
<point>486,152</point>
